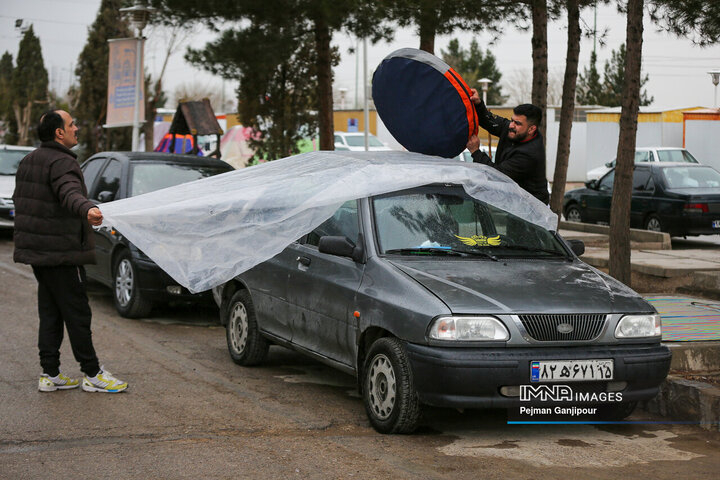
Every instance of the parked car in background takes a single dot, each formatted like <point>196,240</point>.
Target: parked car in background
<point>647,154</point>
<point>678,198</point>
<point>429,296</point>
<point>355,142</point>
<point>138,282</point>
<point>10,156</point>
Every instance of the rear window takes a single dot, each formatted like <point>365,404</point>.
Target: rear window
<point>148,177</point>
<point>676,156</point>
<point>9,161</point>
<point>684,177</point>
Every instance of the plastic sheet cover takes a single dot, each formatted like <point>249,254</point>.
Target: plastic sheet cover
<point>206,232</point>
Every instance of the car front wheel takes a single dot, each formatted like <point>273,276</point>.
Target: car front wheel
<point>653,223</point>
<point>129,300</point>
<point>391,401</point>
<point>573,214</point>
<point>245,343</point>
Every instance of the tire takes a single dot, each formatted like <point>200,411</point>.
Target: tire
<point>573,214</point>
<point>129,300</point>
<point>245,343</point>
<point>391,402</point>
<point>616,412</point>
<point>653,223</point>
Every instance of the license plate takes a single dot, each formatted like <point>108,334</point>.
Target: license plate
<point>571,370</point>
<point>716,223</point>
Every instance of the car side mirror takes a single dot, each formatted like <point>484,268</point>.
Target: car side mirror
<point>106,196</point>
<point>340,246</point>
<point>610,164</point>
<point>591,184</point>
<point>577,246</point>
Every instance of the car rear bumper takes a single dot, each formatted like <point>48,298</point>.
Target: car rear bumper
<point>154,283</point>
<point>473,378</point>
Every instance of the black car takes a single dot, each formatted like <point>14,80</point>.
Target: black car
<point>136,280</point>
<point>678,198</point>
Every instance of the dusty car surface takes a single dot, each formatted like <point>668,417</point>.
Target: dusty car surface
<point>136,280</point>
<point>430,296</point>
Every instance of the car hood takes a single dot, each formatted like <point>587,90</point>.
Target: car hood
<point>522,286</point>
<point>7,186</point>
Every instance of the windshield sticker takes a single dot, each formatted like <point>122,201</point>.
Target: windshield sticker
<point>480,240</point>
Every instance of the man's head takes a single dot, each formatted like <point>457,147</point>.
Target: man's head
<point>59,126</point>
<point>524,123</point>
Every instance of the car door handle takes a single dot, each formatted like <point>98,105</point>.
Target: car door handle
<point>303,261</point>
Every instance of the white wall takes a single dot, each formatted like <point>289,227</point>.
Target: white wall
<point>577,161</point>
<point>702,139</point>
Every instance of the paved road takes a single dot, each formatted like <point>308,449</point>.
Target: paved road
<point>699,242</point>
<point>191,413</point>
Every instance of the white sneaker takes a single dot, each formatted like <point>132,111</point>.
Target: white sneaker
<point>103,382</point>
<point>61,382</point>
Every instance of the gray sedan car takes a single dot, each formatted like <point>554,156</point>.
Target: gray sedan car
<point>429,296</point>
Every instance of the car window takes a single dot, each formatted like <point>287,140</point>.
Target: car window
<point>676,156</point>
<point>641,157</point>
<point>606,183</point>
<point>90,171</point>
<point>359,141</point>
<point>684,177</point>
<point>109,180</point>
<point>435,220</point>
<point>10,159</point>
<point>640,179</point>
<point>344,222</point>
<point>338,139</point>
<point>148,177</point>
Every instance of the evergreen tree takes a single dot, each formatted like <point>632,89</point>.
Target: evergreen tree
<point>473,64</point>
<point>589,89</point>
<point>7,118</point>
<point>688,17</point>
<point>92,70</point>
<point>609,91</point>
<point>28,86</point>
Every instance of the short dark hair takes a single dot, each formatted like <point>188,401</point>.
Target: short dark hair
<point>533,113</point>
<point>49,122</point>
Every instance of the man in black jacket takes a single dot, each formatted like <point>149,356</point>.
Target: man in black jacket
<point>53,234</point>
<point>520,152</point>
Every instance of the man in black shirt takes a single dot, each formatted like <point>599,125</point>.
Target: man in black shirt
<point>520,152</point>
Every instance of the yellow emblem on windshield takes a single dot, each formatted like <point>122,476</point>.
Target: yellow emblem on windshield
<point>480,240</point>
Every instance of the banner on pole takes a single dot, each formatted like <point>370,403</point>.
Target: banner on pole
<point>121,83</point>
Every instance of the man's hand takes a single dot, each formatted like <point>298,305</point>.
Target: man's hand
<point>473,144</point>
<point>475,96</point>
<point>95,216</point>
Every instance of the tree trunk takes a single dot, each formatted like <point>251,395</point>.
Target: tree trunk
<point>324,87</point>
<point>568,107</point>
<point>622,186</point>
<point>22,117</point>
<point>539,56</point>
<point>427,25</point>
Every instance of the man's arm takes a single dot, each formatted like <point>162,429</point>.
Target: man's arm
<point>66,181</point>
<point>518,165</point>
<point>489,121</point>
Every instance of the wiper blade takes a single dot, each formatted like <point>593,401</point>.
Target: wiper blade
<point>430,250</point>
<point>535,249</point>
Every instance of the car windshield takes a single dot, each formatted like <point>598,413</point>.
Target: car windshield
<point>676,156</point>
<point>684,177</point>
<point>444,220</point>
<point>10,159</point>
<point>359,141</point>
<point>148,177</point>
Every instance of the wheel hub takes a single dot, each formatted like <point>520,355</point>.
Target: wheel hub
<point>238,327</point>
<point>382,388</point>
<point>124,282</point>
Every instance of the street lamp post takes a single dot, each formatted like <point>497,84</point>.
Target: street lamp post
<point>715,74</point>
<point>485,86</point>
<point>139,15</point>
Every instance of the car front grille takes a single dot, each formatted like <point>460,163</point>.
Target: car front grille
<point>554,328</point>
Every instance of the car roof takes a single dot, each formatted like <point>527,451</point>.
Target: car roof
<point>647,149</point>
<point>16,147</point>
<point>671,164</point>
<point>164,157</point>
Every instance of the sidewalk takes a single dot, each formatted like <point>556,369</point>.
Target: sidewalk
<point>678,283</point>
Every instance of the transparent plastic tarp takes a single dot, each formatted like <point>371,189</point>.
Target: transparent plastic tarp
<point>206,232</point>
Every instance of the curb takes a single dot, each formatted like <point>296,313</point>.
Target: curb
<point>687,400</point>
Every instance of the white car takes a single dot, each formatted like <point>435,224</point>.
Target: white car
<point>355,142</point>
<point>647,154</point>
<point>10,156</point>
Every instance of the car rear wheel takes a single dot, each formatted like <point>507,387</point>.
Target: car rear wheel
<point>653,223</point>
<point>245,343</point>
<point>129,300</point>
<point>573,214</point>
<point>391,401</point>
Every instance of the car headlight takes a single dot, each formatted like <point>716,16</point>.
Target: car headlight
<point>638,326</point>
<point>468,329</point>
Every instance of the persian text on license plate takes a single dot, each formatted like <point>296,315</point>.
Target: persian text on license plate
<point>571,370</point>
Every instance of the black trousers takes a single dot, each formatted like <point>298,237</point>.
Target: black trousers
<point>63,301</point>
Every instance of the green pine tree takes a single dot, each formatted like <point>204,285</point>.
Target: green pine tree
<point>473,64</point>
<point>28,86</point>
<point>589,88</point>
<point>7,117</point>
